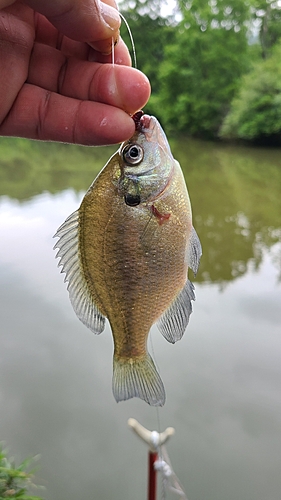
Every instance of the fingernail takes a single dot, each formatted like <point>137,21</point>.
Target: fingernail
<point>110,16</point>
<point>102,46</point>
<point>109,51</point>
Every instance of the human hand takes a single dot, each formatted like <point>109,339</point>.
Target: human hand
<point>57,81</point>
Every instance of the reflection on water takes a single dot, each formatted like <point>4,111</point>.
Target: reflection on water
<point>237,205</point>
<point>29,168</point>
<point>235,193</point>
<point>223,379</point>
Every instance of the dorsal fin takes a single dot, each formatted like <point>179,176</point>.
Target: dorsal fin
<point>70,259</point>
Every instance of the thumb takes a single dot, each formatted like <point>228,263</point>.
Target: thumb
<point>88,21</point>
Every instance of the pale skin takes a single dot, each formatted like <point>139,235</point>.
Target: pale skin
<point>57,81</point>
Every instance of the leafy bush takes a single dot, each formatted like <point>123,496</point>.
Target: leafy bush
<point>14,481</point>
<point>255,113</point>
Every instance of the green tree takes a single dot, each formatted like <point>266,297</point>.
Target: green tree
<point>202,66</point>
<point>142,7</point>
<point>151,33</point>
<point>266,16</point>
<point>255,112</point>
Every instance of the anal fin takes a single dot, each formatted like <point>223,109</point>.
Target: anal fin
<point>174,320</point>
<point>194,251</point>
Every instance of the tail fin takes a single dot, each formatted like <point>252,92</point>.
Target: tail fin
<point>137,378</point>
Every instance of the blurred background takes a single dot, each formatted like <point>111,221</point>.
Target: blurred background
<point>223,379</point>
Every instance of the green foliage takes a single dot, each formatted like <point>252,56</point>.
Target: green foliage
<point>256,111</point>
<point>142,7</point>
<point>151,34</point>
<point>196,65</point>
<point>267,15</point>
<point>15,482</point>
<point>202,67</point>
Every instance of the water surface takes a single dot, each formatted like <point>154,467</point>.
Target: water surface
<point>223,379</point>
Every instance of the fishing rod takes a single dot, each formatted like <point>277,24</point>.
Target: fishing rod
<point>158,460</point>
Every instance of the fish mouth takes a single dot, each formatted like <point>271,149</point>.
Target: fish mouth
<point>153,132</point>
<point>146,121</point>
<point>143,122</point>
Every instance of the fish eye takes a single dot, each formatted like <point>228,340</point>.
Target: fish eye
<point>133,154</point>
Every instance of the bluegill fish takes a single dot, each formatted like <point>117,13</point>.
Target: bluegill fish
<point>126,253</point>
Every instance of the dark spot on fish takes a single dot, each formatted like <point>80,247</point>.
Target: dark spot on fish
<point>161,217</point>
<point>132,200</point>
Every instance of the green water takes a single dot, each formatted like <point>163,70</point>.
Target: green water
<point>223,379</point>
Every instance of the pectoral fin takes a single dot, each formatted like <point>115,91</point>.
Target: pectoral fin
<point>69,254</point>
<point>194,251</point>
<point>174,320</point>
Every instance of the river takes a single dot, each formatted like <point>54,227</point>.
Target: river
<point>223,379</point>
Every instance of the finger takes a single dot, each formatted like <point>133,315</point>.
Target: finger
<point>105,46</point>
<point>112,3</point>
<point>83,20</point>
<point>17,37</point>
<point>120,86</point>
<point>43,115</point>
<point>121,55</point>
<point>47,34</point>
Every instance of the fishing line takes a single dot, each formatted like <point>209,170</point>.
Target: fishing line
<point>159,451</point>
<point>114,42</point>
<point>131,38</point>
<point>112,51</point>
<point>157,366</point>
<point>162,453</point>
<point>145,228</point>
